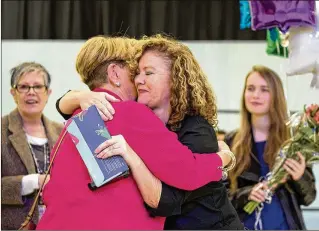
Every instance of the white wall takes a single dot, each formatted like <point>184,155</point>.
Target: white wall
<point>226,64</point>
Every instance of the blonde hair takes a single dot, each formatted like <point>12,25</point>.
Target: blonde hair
<point>278,132</point>
<point>97,53</point>
<point>191,93</point>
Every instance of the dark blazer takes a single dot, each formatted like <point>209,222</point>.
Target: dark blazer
<point>291,195</point>
<point>17,161</point>
<point>213,208</point>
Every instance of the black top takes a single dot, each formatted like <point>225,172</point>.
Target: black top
<point>205,208</point>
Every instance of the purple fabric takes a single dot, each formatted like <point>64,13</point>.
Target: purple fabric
<point>282,14</point>
<point>28,201</point>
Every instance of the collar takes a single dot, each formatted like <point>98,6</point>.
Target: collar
<point>52,129</point>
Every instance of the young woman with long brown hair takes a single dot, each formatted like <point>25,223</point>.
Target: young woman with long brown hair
<point>262,131</point>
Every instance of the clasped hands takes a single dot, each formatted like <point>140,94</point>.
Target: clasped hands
<point>295,170</point>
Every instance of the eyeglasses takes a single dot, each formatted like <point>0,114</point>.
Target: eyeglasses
<point>26,88</point>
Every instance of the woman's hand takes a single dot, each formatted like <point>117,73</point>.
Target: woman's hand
<point>294,168</point>
<point>41,180</point>
<point>224,153</point>
<point>102,102</point>
<point>257,193</point>
<point>117,145</point>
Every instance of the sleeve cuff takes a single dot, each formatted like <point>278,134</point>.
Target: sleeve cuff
<point>29,184</point>
<point>169,203</point>
<point>57,105</point>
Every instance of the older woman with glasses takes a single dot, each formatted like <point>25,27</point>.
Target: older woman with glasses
<point>27,139</point>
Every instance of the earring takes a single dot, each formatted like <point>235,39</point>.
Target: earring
<point>117,84</point>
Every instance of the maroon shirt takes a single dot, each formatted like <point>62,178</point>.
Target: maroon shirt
<point>119,205</point>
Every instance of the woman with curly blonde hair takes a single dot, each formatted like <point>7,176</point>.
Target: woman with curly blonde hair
<point>188,87</point>
<point>170,81</point>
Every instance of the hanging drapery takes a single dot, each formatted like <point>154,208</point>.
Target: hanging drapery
<point>68,19</point>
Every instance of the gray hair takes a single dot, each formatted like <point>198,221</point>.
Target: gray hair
<point>27,67</point>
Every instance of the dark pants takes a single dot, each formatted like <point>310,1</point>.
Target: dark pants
<point>210,212</point>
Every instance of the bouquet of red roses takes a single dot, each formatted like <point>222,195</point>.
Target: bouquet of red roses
<point>304,127</point>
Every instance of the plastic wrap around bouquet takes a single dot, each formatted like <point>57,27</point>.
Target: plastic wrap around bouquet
<point>304,127</point>
<point>88,131</point>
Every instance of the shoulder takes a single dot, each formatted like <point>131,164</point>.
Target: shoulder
<point>57,126</point>
<point>130,104</point>
<point>194,121</point>
<point>11,122</point>
<point>198,135</point>
<point>134,111</point>
<point>5,133</point>
<point>4,126</point>
<point>196,125</point>
<point>4,122</point>
<point>12,118</point>
<point>52,125</point>
<point>53,129</point>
